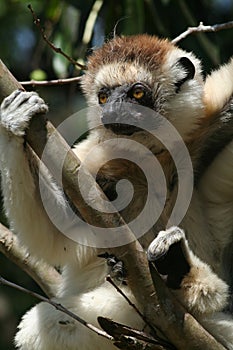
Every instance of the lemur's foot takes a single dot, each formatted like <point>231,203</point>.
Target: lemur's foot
<point>18,109</point>
<point>117,269</point>
<point>169,254</point>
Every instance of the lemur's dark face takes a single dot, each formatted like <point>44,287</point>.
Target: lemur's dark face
<point>119,103</point>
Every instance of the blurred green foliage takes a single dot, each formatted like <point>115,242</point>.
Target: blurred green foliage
<point>78,26</point>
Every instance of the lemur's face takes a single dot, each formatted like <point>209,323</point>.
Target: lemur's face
<point>143,71</point>
<point>118,113</point>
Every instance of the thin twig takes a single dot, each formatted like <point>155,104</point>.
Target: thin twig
<point>53,47</point>
<point>202,29</point>
<point>162,341</point>
<point>109,279</point>
<point>58,306</point>
<point>51,82</point>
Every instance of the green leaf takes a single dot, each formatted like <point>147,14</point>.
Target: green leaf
<point>38,74</point>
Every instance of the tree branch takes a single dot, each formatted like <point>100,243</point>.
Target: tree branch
<point>203,29</point>
<point>129,338</point>
<point>109,279</point>
<point>50,82</point>
<point>53,47</point>
<point>164,313</point>
<point>45,275</point>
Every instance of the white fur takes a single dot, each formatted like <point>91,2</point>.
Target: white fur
<point>201,290</point>
<point>185,108</point>
<point>219,87</point>
<point>218,195</point>
<point>45,328</point>
<point>121,73</point>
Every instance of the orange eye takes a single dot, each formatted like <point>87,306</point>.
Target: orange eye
<point>103,98</point>
<point>138,93</point>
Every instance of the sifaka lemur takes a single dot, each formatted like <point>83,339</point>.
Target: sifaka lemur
<point>147,74</point>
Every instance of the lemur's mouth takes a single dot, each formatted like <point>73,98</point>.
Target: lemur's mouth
<point>122,129</point>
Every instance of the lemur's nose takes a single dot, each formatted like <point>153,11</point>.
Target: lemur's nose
<point>117,120</point>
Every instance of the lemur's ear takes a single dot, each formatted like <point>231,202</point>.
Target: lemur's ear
<point>189,69</point>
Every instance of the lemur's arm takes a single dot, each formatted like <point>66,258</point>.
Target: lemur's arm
<point>217,129</point>
<point>22,202</point>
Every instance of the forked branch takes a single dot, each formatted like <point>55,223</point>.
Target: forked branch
<point>203,29</point>
<point>53,47</point>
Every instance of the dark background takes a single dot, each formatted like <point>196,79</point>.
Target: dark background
<point>68,26</point>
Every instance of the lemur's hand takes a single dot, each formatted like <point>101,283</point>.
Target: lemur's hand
<point>18,109</point>
<point>117,269</point>
<point>169,254</point>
